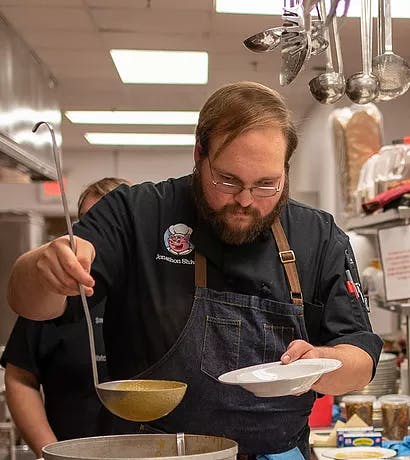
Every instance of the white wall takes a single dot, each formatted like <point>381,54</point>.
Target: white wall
<point>81,169</point>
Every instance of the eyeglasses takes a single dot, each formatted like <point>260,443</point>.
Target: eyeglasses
<point>234,189</point>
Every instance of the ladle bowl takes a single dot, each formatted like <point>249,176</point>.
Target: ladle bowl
<point>328,88</point>
<point>264,41</point>
<point>141,400</point>
<point>393,73</point>
<point>362,88</point>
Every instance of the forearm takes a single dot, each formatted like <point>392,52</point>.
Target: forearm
<point>354,374</point>
<point>27,295</point>
<point>26,407</point>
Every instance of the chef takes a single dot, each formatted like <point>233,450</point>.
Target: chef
<point>212,272</point>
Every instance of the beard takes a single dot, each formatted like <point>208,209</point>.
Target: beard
<point>219,219</point>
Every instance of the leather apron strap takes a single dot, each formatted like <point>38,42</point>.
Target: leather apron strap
<point>288,259</point>
<point>200,270</point>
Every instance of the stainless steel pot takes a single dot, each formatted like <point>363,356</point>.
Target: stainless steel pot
<point>142,446</point>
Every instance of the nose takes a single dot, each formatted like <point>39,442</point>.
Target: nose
<point>244,198</point>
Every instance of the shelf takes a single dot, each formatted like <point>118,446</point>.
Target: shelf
<point>396,307</point>
<point>372,222</point>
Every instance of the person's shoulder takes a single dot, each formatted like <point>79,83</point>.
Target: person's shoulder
<point>312,219</point>
<point>165,189</point>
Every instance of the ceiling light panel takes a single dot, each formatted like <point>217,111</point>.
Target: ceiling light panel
<point>399,8</point>
<point>140,139</point>
<point>131,117</point>
<point>161,67</point>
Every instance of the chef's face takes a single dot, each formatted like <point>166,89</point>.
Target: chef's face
<point>255,158</point>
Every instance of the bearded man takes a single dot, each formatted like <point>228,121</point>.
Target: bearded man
<point>213,272</point>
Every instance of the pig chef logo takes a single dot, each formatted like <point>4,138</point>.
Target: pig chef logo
<point>176,239</point>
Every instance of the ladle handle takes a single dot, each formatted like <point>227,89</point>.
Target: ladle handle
<point>386,27</point>
<point>327,32</point>
<point>366,35</point>
<point>338,48</point>
<point>58,162</point>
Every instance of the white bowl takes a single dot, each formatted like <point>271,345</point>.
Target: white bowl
<point>277,379</point>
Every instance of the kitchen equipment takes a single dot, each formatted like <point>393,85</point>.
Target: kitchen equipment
<point>296,46</point>
<point>392,71</point>
<point>181,444</point>
<point>142,446</point>
<point>329,87</point>
<point>277,379</point>
<point>363,87</point>
<point>136,400</point>
<point>267,40</point>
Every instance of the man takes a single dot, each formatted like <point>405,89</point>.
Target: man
<point>54,354</point>
<point>196,287</point>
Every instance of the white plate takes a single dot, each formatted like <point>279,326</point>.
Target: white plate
<point>350,453</point>
<point>277,379</point>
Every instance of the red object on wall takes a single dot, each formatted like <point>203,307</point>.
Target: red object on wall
<point>321,414</point>
<point>51,188</point>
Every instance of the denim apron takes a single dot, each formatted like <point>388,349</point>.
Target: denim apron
<point>227,331</point>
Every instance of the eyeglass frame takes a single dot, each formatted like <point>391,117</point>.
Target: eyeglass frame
<point>241,187</point>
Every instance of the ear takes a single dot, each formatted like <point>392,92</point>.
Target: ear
<point>197,152</point>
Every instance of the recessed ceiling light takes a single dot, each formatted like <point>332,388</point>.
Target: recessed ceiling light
<point>161,67</point>
<point>131,117</point>
<point>399,8</point>
<point>140,139</point>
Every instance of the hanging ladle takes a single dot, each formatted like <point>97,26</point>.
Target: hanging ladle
<point>135,400</point>
<point>364,87</point>
<point>392,71</point>
<point>329,87</point>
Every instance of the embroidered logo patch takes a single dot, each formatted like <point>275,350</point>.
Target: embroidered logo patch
<point>176,239</point>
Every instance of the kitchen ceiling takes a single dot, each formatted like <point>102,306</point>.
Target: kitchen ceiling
<point>73,39</point>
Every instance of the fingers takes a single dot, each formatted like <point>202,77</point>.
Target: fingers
<point>299,349</point>
<point>61,270</point>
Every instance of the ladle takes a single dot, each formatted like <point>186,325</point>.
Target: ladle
<point>264,41</point>
<point>329,87</point>
<point>136,400</point>
<point>296,47</point>
<point>363,87</point>
<point>392,71</point>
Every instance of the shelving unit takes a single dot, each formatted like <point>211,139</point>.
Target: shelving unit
<point>369,225</point>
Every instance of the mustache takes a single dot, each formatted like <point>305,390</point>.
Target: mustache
<point>236,208</point>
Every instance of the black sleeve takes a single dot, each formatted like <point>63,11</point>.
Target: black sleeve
<point>22,347</point>
<point>345,319</point>
<point>108,226</point>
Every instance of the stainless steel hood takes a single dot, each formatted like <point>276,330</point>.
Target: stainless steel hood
<point>27,95</point>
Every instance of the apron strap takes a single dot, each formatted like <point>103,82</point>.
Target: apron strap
<point>288,259</point>
<point>200,270</point>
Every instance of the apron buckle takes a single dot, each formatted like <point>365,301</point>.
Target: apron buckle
<point>287,257</point>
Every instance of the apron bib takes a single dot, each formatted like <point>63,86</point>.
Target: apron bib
<point>227,331</point>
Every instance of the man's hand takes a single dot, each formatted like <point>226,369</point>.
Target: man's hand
<point>60,270</point>
<point>299,349</point>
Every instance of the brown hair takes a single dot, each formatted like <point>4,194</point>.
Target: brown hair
<point>101,188</point>
<point>238,107</point>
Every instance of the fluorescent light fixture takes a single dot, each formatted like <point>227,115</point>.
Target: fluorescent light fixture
<point>130,117</point>
<point>399,8</point>
<point>249,6</point>
<point>161,67</point>
<point>140,139</point>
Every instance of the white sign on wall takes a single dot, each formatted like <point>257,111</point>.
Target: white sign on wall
<point>395,252</point>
